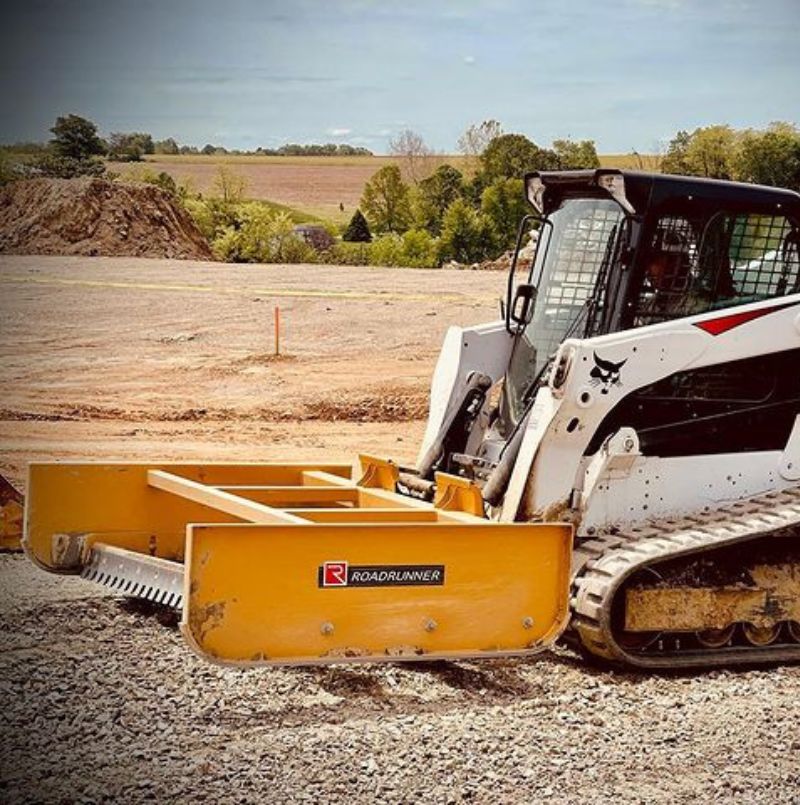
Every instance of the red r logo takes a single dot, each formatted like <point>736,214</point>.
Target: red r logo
<point>334,574</point>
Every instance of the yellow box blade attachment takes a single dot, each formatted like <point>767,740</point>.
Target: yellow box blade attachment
<point>299,563</point>
<point>295,594</point>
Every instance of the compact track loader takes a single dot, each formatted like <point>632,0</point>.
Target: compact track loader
<point>617,459</point>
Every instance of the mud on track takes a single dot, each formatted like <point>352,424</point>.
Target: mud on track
<point>100,700</point>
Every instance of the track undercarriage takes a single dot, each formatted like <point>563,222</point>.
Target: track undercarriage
<point>721,588</point>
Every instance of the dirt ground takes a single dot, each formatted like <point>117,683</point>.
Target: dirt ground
<point>123,358</point>
<point>141,359</point>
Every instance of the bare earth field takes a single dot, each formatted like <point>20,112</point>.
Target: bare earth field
<point>315,185</point>
<point>309,184</point>
<point>141,359</point>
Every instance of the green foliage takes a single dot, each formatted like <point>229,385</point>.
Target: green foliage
<point>387,250</point>
<point>708,151</point>
<point>770,157</point>
<point>61,167</point>
<point>8,170</point>
<point>420,249</point>
<point>510,156</point>
<point>466,234</point>
<point>75,138</point>
<point>229,186</point>
<point>161,179</point>
<point>415,248</point>
<point>261,236</point>
<point>675,160</point>
<point>129,147</point>
<point>572,155</point>
<point>316,150</point>
<point>358,229</point>
<point>432,197</point>
<point>168,146</point>
<point>348,254</point>
<point>385,201</point>
<point>504,205</point>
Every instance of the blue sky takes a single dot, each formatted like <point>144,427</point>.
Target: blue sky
<point>243,73</point>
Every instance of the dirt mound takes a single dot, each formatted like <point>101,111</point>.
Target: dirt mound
<point>96,217</point>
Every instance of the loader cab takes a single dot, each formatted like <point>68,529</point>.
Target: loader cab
<point>619,249</point>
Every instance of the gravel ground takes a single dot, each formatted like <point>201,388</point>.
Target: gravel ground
<point>103,701</point>
<point>99,701</point>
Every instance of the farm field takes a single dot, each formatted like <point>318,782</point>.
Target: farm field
<point>316,186</point>
<point>156,359</point>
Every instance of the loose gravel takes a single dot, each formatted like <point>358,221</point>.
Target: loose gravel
<point>101,701</point>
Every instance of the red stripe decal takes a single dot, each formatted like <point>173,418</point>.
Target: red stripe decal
<point>725,323</point>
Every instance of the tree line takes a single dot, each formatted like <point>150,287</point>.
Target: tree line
<point>75,137</point>
<point>453,215</point>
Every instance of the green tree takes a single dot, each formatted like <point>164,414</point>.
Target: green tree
<point>75,137</point>
<point>510,156</point>
<point>770,157</point>
<point>358,229</point>
<point>573,155</point>
<point>129,146</point>
<point>504,205</point>
<point>434,195</point>
<point>168,146</point>
<point>466,234</point>
<point>709,151</point>
<point>385,201</point>
<point>675,160</point>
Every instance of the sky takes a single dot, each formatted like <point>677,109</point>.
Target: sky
<point>247,73</point>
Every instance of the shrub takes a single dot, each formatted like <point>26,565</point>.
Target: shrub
<point>261,236</point>
<point>64,167</point>
<point>420,249</point>
<point>387,250</point>
<point>348,254</point>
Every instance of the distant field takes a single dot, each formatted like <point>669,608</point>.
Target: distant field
<point>316,186</point>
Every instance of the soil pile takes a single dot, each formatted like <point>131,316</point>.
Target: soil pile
<point>96,217</point>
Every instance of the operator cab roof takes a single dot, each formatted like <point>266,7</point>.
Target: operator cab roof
<point>637,192</point>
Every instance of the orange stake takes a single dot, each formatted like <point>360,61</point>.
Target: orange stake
<point>277,330</point>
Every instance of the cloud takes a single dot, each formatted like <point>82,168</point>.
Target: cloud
<point>339,132</point>
<point>469,60</point>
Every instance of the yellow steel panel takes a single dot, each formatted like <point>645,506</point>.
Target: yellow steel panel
<point>373,515</point>
<point>253,595</point>
<point>216,498</point>
<point>295,495</point>
<point>115,500</point>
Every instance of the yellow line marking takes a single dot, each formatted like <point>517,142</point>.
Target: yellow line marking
<point>375,296</point>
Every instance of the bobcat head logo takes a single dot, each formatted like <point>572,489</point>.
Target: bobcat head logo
<point>605,373</point>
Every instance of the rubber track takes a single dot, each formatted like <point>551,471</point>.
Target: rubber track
<point>602,564</point>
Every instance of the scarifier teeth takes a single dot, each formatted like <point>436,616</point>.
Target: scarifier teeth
<point>136,575</point>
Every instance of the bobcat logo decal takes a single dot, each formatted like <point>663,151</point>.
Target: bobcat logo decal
<point>606,373</point>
